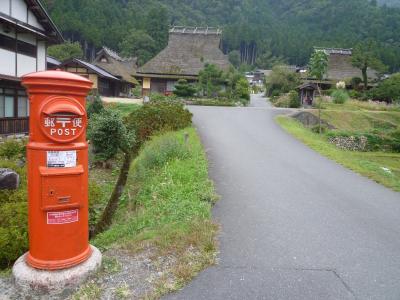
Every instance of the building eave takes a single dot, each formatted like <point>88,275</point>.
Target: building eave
<point>167,76</point>
<point>37,8</point>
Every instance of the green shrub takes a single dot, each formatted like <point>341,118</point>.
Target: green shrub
<point>137,91</point>
<point>184,89</point>
<point>387,90</point>
<point>95,105</point>
<point>340,96</point>
<point>158,152</point>
<point>355,82</point>
<point>158,97</point>
<point>156,117</point>
<point>242,90</point>
<point>211,79</point>
<point>354,94</point>
<point>13,149</point>
<point>294,99</point>
<point>282,80</point>
<point>13,219</point>
<point>96,203</point>
<point>315,128</point>
<point>108,135</point>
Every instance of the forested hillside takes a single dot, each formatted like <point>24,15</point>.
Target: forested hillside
<point>260,29</point>
<point>390,2</point>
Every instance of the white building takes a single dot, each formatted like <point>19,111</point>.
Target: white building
<point>25,32</point>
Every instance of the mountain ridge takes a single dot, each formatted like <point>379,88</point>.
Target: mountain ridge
<point>266,28</point>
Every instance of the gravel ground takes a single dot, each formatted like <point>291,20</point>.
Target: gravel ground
<point>122,100</point>
<point>123,276</point>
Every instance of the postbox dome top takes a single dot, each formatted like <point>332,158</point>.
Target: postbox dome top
<point>56,75</point>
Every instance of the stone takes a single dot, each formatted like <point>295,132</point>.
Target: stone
<point>34,282</point>
<point>308,119</point>
<point>9,179</point>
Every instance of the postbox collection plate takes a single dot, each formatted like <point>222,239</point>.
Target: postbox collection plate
<point>62,119</point>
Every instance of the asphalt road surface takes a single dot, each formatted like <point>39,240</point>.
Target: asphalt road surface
<point>295,225</point>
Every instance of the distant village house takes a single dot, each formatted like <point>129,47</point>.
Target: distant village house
<point>340,67</point>
<point>112,76</point>
<point>188,50</point>
<point>25,32</point>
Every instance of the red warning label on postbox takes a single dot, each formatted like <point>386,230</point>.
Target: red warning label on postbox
<point>62,217</point>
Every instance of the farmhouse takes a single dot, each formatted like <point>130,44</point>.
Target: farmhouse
<point>188,50</point>
<point>340,67</point>
<point>25,32</point>
<point>112,75</point>
<point>122,68</point>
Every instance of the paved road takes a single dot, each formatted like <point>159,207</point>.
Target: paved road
<point>295,225</point>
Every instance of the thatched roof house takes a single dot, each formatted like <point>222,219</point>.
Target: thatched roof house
<point>340,66</point>
<point>188,50</point>
<point>104,83</point>
<point>122,68</point>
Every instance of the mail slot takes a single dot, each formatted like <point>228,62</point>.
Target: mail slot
<point>57,170</point>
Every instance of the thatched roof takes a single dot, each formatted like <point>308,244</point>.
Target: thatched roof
<point>188,50</point>
<point>340,66</point>
<point>75,62</point>
<point>307,86</point>
<point>122,68</point>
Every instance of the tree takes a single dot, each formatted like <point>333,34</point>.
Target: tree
<point>365,56</point>
<point>267,60</point>
<point>234,58</point>
<point>184,89</point>
<point>108,135</point>
<point>210,80</point>
<point>388,89</point>
<point>65,51</point>
<point>318,68</point>
<point>281,80</point>
<point>242,90</point>
<point>157,26</point>
<point>95,105</point>
<point>138,43</point>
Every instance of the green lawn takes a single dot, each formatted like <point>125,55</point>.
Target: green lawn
<point>369,164</point>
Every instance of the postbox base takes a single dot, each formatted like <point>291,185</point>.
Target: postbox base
<point>29,280</point>
<point>59,264</point>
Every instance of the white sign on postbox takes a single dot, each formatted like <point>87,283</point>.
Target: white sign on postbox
<point>61,159</point>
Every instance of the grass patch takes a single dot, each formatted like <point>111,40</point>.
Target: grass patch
<point>369,164</point>
<point>88,291</point>
<point>5,273</point>
<point>123,108</point>
<point>167,206</point>
<point>355,105</point>
<point>176,192</point>
<point>361,120</point>
<point>212,102</point>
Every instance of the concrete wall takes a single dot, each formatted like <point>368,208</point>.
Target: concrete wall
<point>7,62</point>
<point>41,51</point>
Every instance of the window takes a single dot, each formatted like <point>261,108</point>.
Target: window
<point>24,48</point>
<point>23,106</point>
<point>14,103</point>
<point>7,42</point>
<point>1,106</point>
<point>8,106</point>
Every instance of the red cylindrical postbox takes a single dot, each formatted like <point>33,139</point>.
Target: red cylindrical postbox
<point>57,155</point>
